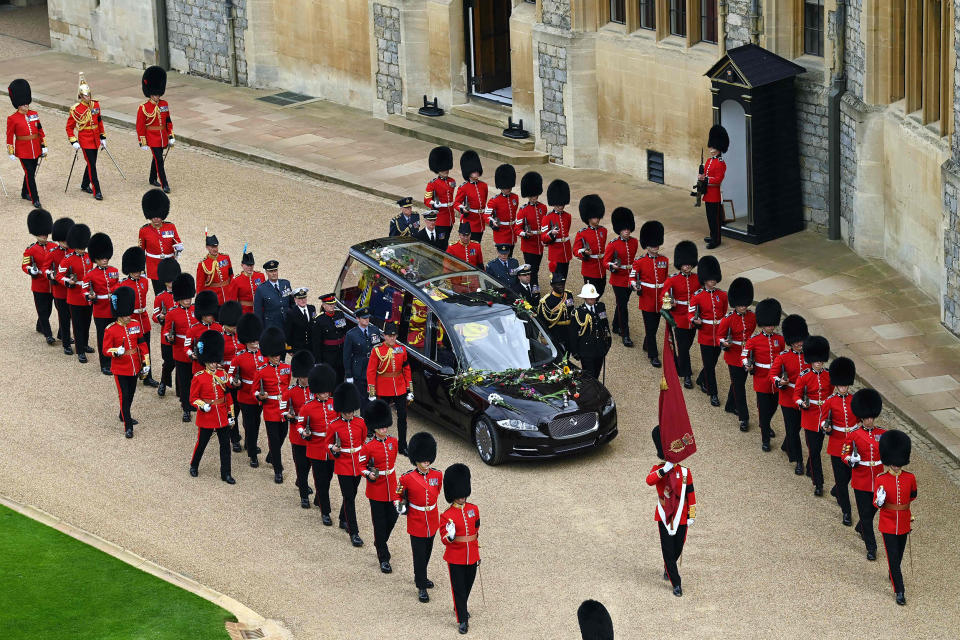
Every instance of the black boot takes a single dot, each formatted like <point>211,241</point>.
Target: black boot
<point>627,342</point>
<point>714,401</point>
<point>423,596</point>
<point>161,390</point>
<point>901,599</point>
<point>464,626</point>
<point>150,382</point>
<point>687,382</point>
<point>818,490</point>
<point>745,426</point>
<point>799,468</point>
<point>847,520</point>
<point>228,479</point>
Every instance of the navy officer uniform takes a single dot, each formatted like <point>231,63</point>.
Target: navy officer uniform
<point>273,298</point>
<point>525,286</point>
<point>357,345</point>
<point>406,223</point>
<point>503,267</point>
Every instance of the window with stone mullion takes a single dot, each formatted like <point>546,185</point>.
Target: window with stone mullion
<point>678,18</point>
<point>648,14</point>
<point>618,11</point>
<point>708,21</point>
<point>813,27</point>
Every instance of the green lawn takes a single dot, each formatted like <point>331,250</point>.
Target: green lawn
<point>52,586</point>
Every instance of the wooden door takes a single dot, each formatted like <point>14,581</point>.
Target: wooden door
<point>491,44</point>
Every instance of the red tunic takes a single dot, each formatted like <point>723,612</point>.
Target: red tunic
<point>318,414</point>
<point>422,492</point>
<point>295,397</point>
<point>439,197</point>
<point>231,347</point>
<point>135,348</point>
<point>816,385</point>
<point>763,349</point>
<point>649,276</point>
<point>470,201</point>
<point>710,306</point>
<point>555,234</point>
<point>464,549</point>
<point>714,170</point>
<point>215,273</point>
<point>40,256</point>
<point>471,253</point>
<point>504,208</point>
<point>57,255</point>
<point>193,334</point>
<point>178,322</point>
<point>101,282</point>
<point>787,365</point>
<point>274,378</point>
<point>867,444</point>
<point>141,289</point>
<point>25,135</point>
<point>841,421</point>
<point>681,288</point>
<point>244,286</point>
<point>158,243</point>
<point>162,303</point>
<point>590,246</point>
<point>154,126</point>
<point>350,435</point>
<point>736,329</point>
<point>213,389</point>
<point>901,490</point>
<point>246,364</point>
<point>85,126</point>
<point>383,455</point>
<point>618,259</point>
<point>674,477</point>
<point>77,265</point>
<point>388,371</point>
<point>529,222</point>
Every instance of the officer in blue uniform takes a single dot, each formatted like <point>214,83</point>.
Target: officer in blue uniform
<point>406,223</point>
<point>503,267</point>
<point>273,298</point>
<point>357,345</point>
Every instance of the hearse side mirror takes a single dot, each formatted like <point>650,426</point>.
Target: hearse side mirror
<point>447,371</point>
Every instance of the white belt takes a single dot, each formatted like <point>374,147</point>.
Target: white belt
<point>244,381</point>
<point>868,463</point>
<point>736,342</point>
<point>143,310</point>
<point>159,255</point>
<point>791,385</point>
<point>103,297</point>
<point>683,302</point>
<point>354,450</point>
<point>387,472</point>
<point>842,429</point>
<point>429,507</point>
<point>761,365</point>
<point>652,285</point>
<point>709,321</point>
<point>272,398</point>
<point>815,401</point>
<point>563,239</point>
<point>322,434</point>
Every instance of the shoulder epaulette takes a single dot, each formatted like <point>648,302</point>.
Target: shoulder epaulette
<point>729,313</point>
<point>199,372</point>
<point>110,325</point>
<point>700,290</point>
<point>406,472</point>
<point>145,225</point>
<point>805,371</point>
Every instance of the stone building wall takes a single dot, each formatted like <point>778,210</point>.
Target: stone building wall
<point>738,23</point>
<point>950,302</point>
<point>386,30</point>
<point>556,13</point>
<point>812,129</point>
<point>117,31</point>
<point>553,77</point>
<point>854,56</point>
<point>199,44</point>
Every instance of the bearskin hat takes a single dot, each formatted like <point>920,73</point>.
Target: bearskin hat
<point>230,312</point>
<point>768,312</point>
<point>39,222</point>
<point>154,81</point>
<point>61,228</point>
<point>134,260</point>
<point>377,415</point>
<point>346,398</point>
<point>708,269</point>
<point>657,442</point>
<point>558,193</point>
<point>505,177</point>
<point>685,253</point>
<point>209,347</point>
<point>19,91</point>
<point>718,139</point>
<point>441,159</point>
<point>740,293</point>
<point>78,237</point>
<point>816,349</point>
<point>595,622</point>
<point>622,218</point>
<point>591,206</point>
<point>842,371</point>
<point>249,329</point>
<point>155,204</point>
<point>895,448</point>
<point>456,482</point>
<point>866,403</point>
<point>206,304</point>
<point>531,184</point>
<point>301,363</point>
<point>794,329</point>
<point>422,448</point>
<point>123,301</point>
<point>183,287</point>
<point>167,270</point>
<point>99,246</point>
<point>272,342</point>
<point>651,234</point>
<point>470,164</point>
<point>322,378</point>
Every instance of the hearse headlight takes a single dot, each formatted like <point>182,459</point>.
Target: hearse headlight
<point>517,425</point>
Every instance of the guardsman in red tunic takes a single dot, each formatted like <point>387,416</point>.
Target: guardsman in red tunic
<point>271,378</point>
<point>459,525</point>
<point>389,378</point>
<point>176,325</point>
<point>132,265</point>
<point>295,396</point>
<point>680,287</point>
<point>471,198</point>
<point>439,195</point>
<point>648,276</point>
<point>618,257</point>
<point>318,414</point>
<point>812,390</point>
<point>158,238</point>
<point>705,311</point>
<point>861,451</point>
<point>163,302</point>
<point>72,274</point>
<point>504,207</point>
<point>676,510</point>
<point>466,249</point>
<point>101,282</point>
<point>85,133</point>
<point>555,228</point>
<point>210,394</point>
<point>529,222</point>
<point>417,494</point>
<point>837,424</point>
<point>61,227</point>
<point>205,311</point>
<point>154,125</point>
<point>759,353</point>
<point>246,362</point>
<point>126,347</point>
<point>381,474</point>
<point>25,139</point>
<point>591,242</point>
<point>215,271</point>
<point>37,259</point>
<point>713,171</point>
<point>895,490</point>
<point>228,317</point>
<point>735,329</point>
<point>244,284</point>
<point>345,439</point>
<point>784,372</point>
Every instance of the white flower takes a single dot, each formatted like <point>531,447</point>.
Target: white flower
<point>494,399</point>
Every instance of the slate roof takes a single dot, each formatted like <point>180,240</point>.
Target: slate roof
<point>756,65</point>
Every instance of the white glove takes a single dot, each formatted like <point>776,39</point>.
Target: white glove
<point>350,380</point>
<point>231,421</point>
<point>206,407</point>
<point>410,397</point>
<point>451,531</point>
<point>690,521</point>
<point>43,152</point>
<point>667,467</point>
<point>881,496</point>
<point>854,459</point>
<point>145,371</point>
<point>33,271</point>
<point>12,157</point>
<point>120,350</point>
<point>103,144</point>
<point>76,145</point>
<point>171,141</point>
<point>372,398</point>
<point>178,247</point>
<point>145,147</point>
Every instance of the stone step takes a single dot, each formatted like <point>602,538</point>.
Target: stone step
<point>490,114</point>
<point>454,123</point>
<point>435,135</point>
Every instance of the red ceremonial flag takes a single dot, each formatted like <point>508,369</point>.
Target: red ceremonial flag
<point>676,433</point>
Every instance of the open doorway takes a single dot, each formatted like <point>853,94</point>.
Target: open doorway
<point>487,24</point>
<point>735,186</point>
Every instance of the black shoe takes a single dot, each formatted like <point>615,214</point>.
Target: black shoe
<point>677,591</point>
<point>106,371</point>
<point>150,382</point>
<point>82,358</point>
<point>326,520</point>
<point>228,479</point>
<point>89,349</point>
<point>765,447</point>
<point>847,520</point>
<point>68,350</point>
<point>833,491</point>
<point>254,463</point>
<point>24,196</point>
<point>818,490</point>
<point>655,362</point>
<point>771,434</point>
<point>355,540</point>
<point>309,491</point>
<point>155,183</point>
<point>87,189</point>
<point>36,204</point>
<point>161,389</point>
<point>745,426</point>
<point>304,503</point>
<point>714,401</point>
<point>627,342</point>
<point>385,567</point>
<point>51,340</point>
<point>278,477</point>
<point>871,555</point>
<point>166,189</point>
<point>99,196</point>
<point>186,416</point>
<point>712,245</point>
<point>901,600</point>
<point>464,626</point>
<point>193,472</point>
<point>798,470</point>
<point>236,447</point>
<point>687,382</point>
<point>708,239</point>
<point>429,584</point>
<point>129,432</point>
<point>703,387</point>
<point>423,596</point>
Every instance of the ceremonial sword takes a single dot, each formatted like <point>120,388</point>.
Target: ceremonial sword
<point>110,155</point>
<point>72,164</point>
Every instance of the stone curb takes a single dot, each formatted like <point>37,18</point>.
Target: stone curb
<point>246,617</point>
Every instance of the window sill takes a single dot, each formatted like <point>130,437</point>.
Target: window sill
<point>645,34</point>
<point>705,47</point>
<point>615,27</point>
<point>672,41</point>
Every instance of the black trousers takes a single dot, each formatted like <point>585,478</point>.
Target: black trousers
<point>651,325</point>
<point>184,371</point>
<point>713,220</point>
<point>814,463</point>
<point>895,545</point>
<point>671,546</point>
<point>684,342</point>
<point>156,166</point>
<point>251,427</point>
<point>422,549</point>
<point>126,388</point>
<point>708,375</point>
<point>621,315</point>
<point>63,320</point>
<point>348,510</point>
<point>90,175</point>
<point>166,368</point>
<point>534,260</point>
<point>301,463</point>
<point>158,287</point>
<point>100,325</point>
<point>766,407</point>
<point>737,394</point>
<point>276,434</point>
<point>223,438</point>
<point>384,516</point>
<point>600,284</point>
<point>461,583</point>
<point>562,268</point>
<point>841,482</point>
<point>322,475</point>
<point>80,315</point>
<point>476,236</point>
<point>44,304</point>
<point>791,427</point>
<point>443,242</point>
<point>866,511</point>
<point>400,402</point>
<point>29,188</point>
<point>593,366</point>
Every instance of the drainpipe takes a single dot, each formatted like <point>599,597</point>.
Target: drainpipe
<point>231,39</point>
<point>755,21</point>
<point>837,89</point>
<point>163,40</point>
<point>723,28</point>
